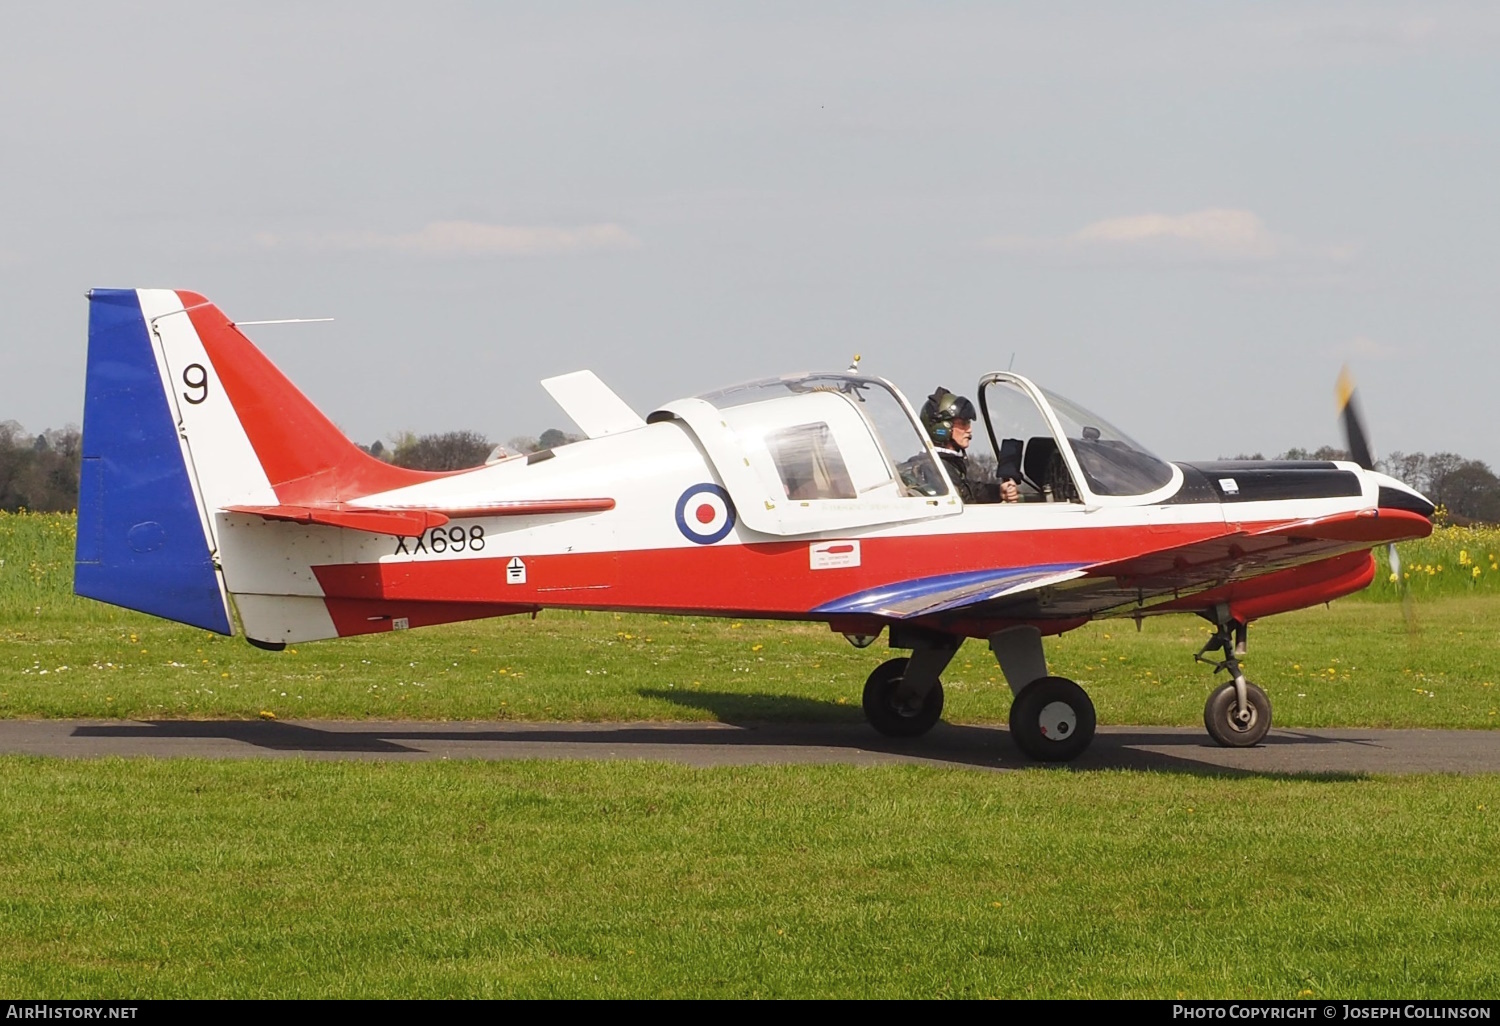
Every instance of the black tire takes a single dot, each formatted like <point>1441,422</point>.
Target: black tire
<point>1044,731</point>
<point>1220,716</point>
<point>892,717</point>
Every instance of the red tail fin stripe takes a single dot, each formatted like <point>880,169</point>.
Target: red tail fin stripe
<point>305,456</point>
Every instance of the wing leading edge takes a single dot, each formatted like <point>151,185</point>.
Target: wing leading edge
<point>1134,584</point>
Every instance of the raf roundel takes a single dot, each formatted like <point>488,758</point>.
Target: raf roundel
<point>705,514</point>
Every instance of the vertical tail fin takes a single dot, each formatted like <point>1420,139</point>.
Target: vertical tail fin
<point>303,456</point>
<point>184,417</point>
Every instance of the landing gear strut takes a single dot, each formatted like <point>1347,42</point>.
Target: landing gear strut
<point>1237,714</point>
<point>1051,719</point>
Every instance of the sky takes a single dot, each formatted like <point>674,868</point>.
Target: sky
<point>1184,216</point>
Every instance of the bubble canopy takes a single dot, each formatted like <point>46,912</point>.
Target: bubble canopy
<point>855,437</point>
<point>909,467</point>
<point>1048,429</point>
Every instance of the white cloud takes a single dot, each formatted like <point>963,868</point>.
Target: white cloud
<point>1218,235</point>
<point>460,239</point>
<point>1362,347</point>
<point>1235,234</point>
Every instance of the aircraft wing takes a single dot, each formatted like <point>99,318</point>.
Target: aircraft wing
<point>1138,582</point>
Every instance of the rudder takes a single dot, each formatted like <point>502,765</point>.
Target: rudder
<point>143,537</point>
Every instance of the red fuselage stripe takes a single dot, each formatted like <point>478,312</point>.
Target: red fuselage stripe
<point>771,578</point>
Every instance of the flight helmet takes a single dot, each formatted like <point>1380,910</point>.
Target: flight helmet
<point>939,412</point>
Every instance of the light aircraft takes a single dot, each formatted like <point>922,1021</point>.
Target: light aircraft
<point>213,491</point>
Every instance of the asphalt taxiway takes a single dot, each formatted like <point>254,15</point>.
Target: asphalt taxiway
<point>1180,749</point>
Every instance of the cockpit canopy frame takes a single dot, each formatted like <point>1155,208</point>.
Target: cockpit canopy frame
<point>818,452</point>
<point>1097,463</point>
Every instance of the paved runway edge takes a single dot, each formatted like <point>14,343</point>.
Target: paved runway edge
<point>1180,749</point>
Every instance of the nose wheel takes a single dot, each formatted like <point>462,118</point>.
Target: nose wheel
<point>1237,714</point>
<point>1052,720</point>
<point>1232,726</point>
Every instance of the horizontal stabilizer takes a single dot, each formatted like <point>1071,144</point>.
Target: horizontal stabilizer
<point>403,523</point>
<point>413,522</point>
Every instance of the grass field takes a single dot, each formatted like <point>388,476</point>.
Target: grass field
<point>1352,665</point>
<point>188,878</point>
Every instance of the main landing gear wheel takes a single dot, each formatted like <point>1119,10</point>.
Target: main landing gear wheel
<point>896,713</point>
<point>1231,728</point>
<point>1052,719</point>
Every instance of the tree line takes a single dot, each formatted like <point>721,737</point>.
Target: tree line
<point>457,450</point>
<point>40,472</point>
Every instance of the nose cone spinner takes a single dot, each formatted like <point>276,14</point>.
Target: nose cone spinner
<point>1396,495</point>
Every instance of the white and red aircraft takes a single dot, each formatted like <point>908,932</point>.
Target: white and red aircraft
<point>211,484</point>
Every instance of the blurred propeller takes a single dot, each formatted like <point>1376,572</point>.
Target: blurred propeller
<point>1358,444</point>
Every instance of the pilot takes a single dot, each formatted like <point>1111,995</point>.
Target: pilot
<point>949,420</point>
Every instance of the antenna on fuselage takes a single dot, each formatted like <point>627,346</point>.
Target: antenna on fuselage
<point>286,320</point>
<point>854,365</point>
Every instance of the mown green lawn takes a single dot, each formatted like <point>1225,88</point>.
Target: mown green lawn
<point>219,879</point>
<point>215,879</point>
<point>1351,665</point>
<point>1354,664</point>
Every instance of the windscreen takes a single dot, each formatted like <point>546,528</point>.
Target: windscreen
<point>1112,462</point>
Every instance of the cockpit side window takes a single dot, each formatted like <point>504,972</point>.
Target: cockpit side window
<point>809,463</point>
<point>903,448</point>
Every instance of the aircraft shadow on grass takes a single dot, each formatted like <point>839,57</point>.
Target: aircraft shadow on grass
<point>789,729</point>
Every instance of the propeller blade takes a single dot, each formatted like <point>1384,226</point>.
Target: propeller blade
<point>1355,439</point>
<point>1408,611</point>
<point>1358,444</point>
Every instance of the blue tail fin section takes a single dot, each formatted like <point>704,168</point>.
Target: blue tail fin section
<point>141,541</point>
